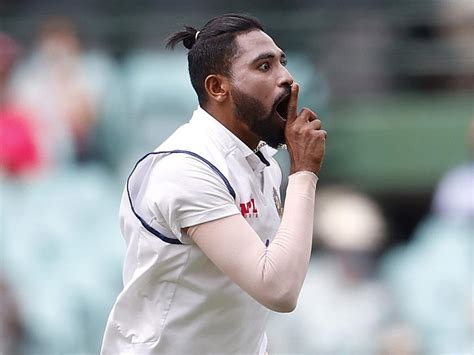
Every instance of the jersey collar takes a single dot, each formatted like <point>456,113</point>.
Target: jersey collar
<point>229,141</point>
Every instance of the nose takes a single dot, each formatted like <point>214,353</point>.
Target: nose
<point>285,78</point>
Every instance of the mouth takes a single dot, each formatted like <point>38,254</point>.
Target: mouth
<point>282,106</point>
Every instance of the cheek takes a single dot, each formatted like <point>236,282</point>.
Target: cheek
<point>263,94</point>
<point>256,87</point>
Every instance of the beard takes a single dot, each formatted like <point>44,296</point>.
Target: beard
<point>263,122</point>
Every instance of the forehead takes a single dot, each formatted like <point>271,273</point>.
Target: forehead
<point>251,44</point>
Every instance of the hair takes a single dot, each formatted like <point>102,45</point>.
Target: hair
<point>212,49</point>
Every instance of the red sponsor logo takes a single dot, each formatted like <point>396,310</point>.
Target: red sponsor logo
<point>248,209</point>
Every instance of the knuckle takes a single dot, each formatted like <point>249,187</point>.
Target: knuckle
<point>319,135</point>
<point>307,115</point>
<point>316,124</point>
<point>306,111</point>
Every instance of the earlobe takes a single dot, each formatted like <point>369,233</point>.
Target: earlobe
<point>216,87</point>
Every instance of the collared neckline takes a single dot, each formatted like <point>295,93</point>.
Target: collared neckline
<point>230,140</point>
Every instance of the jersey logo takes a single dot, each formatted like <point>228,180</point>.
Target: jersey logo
<point>248,209</point>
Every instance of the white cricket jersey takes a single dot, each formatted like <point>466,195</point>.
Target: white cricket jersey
<point>175,300</point>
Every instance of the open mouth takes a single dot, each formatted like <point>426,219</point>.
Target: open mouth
<point>282,107</point>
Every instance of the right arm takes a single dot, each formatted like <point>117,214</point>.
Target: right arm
<point>273,275</point>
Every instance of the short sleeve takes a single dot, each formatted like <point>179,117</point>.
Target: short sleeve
<point>184,191</point>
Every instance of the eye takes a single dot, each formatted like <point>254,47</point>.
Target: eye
<point>284,62</point>
<point>264,66</point>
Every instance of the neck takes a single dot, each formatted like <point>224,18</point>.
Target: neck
<point>233,124</point>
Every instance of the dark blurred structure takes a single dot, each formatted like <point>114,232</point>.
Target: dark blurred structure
<point>448,39</point>
<point>11,327</point>
<point>91,89</point>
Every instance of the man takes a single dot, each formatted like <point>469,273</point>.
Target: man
<point>208,252</point>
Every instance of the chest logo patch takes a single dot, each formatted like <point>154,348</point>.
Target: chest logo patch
<point>248,209</point>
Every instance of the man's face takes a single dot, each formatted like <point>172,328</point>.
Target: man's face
<point>260,86</point>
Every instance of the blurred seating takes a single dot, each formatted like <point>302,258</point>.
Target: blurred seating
<point>51,83</point>
<point>432,280</point>
<point>160,98</point>
<point>113,124</point>
<point>314,86</point>
<point>62,251</point>
<point>343,306</point>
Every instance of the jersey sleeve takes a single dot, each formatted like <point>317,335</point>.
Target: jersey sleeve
<point>184,191</point>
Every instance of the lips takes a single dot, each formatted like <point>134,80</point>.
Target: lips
<point>281,107</point>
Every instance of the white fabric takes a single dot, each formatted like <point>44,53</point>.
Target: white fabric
<point>178,199</point>
<point>273,275</point>
<point>175,300</point>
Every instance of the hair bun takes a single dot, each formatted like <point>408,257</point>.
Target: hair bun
<point>190,39</point>
<point>187,36</point>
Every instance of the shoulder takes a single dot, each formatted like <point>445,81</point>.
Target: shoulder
<point>188,171</point>
<point>189,149</point>
<point>180,162</point>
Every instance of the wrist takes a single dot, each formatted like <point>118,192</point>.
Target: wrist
<point>303,177</point>
<point>296,169</point>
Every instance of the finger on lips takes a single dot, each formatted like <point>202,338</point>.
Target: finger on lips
<point>293,103</point>
<point>306,116</point>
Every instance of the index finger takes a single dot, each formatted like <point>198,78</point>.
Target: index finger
<point>293,103</point>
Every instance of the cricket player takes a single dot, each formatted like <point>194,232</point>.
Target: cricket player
<point>210,249</point>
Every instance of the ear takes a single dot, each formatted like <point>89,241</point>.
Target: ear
<point>217,87</point>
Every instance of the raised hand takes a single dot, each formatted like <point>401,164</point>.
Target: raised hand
<point>305,139</point>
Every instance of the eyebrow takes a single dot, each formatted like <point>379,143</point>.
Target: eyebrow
<point>268,55</point>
